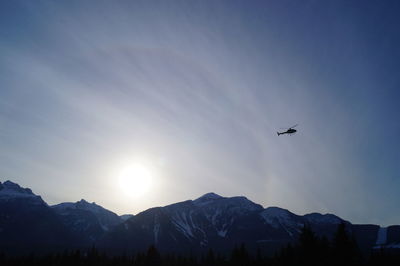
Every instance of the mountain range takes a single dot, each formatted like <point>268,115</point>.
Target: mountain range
<point>28,224</point>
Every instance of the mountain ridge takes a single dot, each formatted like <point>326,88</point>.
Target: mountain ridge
<point>209,221</point>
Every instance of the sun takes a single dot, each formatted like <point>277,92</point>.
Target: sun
<point>135,180</point>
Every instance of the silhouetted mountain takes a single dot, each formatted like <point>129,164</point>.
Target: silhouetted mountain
<point>220,223</point>
<point>89,220</point>
<point>27,223</point>
<point>125,217</point>
<point>192,226</point>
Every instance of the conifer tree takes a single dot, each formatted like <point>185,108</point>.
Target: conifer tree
<point>345,249</point>
<point>307,246</point>
<point>210,258</point>
<point>153,258</point>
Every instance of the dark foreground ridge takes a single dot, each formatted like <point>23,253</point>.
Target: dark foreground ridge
<point>28,225</point>
<point>309,249</point>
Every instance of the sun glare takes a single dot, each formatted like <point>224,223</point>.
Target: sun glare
<point>135,180</point>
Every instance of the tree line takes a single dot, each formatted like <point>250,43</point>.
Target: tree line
<point>310,250</point>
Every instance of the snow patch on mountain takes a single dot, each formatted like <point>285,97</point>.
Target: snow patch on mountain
<point>276,217</point>
<point>222,233</point>
<point>382,236</point>
<point>221,212</point>
<point>181,221</point>
<point>281,218</point>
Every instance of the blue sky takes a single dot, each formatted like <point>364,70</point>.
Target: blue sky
<point>197,90</point>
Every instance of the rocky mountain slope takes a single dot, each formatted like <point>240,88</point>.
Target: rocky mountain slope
<point>27,223</point>
<point>89,220</point>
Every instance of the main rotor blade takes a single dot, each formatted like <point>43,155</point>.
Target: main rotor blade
<point>294,126</point>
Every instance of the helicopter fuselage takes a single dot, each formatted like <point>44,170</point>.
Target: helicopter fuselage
<point>289,131</point>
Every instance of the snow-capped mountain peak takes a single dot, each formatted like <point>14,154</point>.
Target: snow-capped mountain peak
<point>214,202</point>
<point>85,210</point>
<point>11,190</point>
<point>207,198</point>
<point>83,204</point>
<point>211,195</point>
<point>9,186</point>
<point>80,205</point>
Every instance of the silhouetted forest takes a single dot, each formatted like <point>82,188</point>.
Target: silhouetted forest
<point>309,250</point>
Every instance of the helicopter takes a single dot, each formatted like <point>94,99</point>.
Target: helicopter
<point>289,131</point>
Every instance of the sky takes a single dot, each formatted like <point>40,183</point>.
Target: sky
<point>195,91</point>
